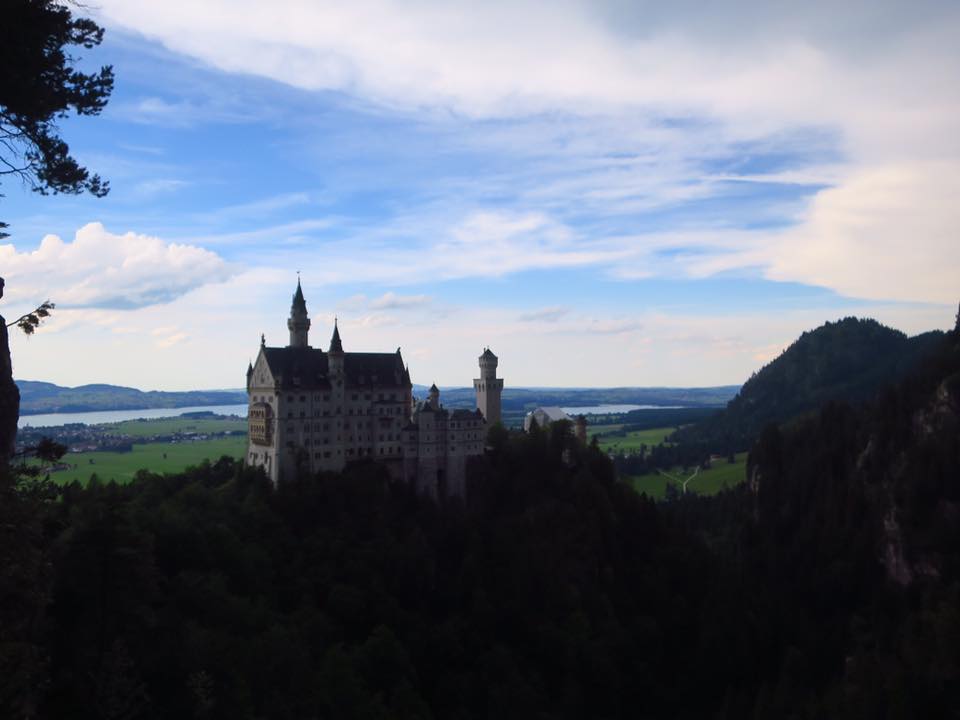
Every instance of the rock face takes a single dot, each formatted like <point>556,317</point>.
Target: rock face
<point>9,394</point>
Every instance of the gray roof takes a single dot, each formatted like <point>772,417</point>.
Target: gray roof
<point>299,304</point>
<point>553,413</point>
<point>311,368</point>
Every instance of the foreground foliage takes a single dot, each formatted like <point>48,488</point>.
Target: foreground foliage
<point>555,592</point>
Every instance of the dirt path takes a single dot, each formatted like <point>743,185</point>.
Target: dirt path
<point>682,483</point>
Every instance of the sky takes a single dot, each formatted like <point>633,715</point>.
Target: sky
<point>605,193</point>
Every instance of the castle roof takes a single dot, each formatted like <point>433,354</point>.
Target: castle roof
<point>299,304</point>
<point>551,413</point>
<point>299,367</point>
<point>487,354</point>
<point>335,344</point>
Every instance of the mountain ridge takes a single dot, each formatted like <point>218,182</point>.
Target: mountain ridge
<point>849,360</point>
<point>45,397</point>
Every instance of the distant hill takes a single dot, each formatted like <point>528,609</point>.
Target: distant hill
<point>43,397</point>
<point>848,360</point>
<point>524,399</point>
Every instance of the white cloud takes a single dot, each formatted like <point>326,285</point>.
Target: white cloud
<point>547,315</point>
<point>886,233</point>
<point>393,301</point>
<point>100,269</point>
<point>654,89</point>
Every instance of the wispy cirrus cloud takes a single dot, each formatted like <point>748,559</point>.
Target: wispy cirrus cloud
<point>629,110</point>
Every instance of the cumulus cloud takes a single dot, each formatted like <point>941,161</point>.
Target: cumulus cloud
<point>100,269</point>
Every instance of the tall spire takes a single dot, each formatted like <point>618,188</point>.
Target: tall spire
<point>298,302</point>
<point>335,345</point>
<point>299,323</point>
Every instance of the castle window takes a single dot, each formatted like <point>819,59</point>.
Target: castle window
<point>302,398</point>
<point>353,397</point>
<point>326,454</point>
<point>290,398</point>
<point>289,413</point>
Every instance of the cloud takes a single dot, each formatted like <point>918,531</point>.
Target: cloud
<point>392,301</point>
<point>171,340</point>
<point>621,109</point>
<point>549,315</point>
<point>148,189</point>
<point>102,270</point>
<point>886,233</point>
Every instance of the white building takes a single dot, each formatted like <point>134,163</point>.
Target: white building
<point>311,410</point>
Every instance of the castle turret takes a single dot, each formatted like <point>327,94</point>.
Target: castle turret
<point>335,353</point>
<point>435,397</point>
<point>299,323</point>
<point>488,388</point>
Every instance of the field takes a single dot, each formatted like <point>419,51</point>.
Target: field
<point>169,426</point>
<point>706,482</point>
<point>630,442</point>
<point>156,457</point>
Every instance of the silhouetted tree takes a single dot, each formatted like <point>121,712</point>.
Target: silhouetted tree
<point>39,84</point>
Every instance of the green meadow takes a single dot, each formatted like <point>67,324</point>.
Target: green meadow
<point>155,457</point>
<point>721,475</point>
<point>169,426</point>
<point>631,441</point>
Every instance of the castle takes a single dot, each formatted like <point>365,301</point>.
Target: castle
<point>311,410</point>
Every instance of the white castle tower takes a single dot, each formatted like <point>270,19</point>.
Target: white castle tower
<point>488,387</point>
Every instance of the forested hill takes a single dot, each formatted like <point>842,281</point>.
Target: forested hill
<point>848,360</point>
<point>43,397</point>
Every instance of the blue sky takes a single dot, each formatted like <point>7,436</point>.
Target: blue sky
<point>604,193</point>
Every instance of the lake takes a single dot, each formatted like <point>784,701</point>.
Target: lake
<point>611,409</point>
<point>111,416</point>
<point>100,417</point>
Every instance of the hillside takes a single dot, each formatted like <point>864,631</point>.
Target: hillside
<point>848,360</point>
<point>525,399</point>
<point>43,397</point>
